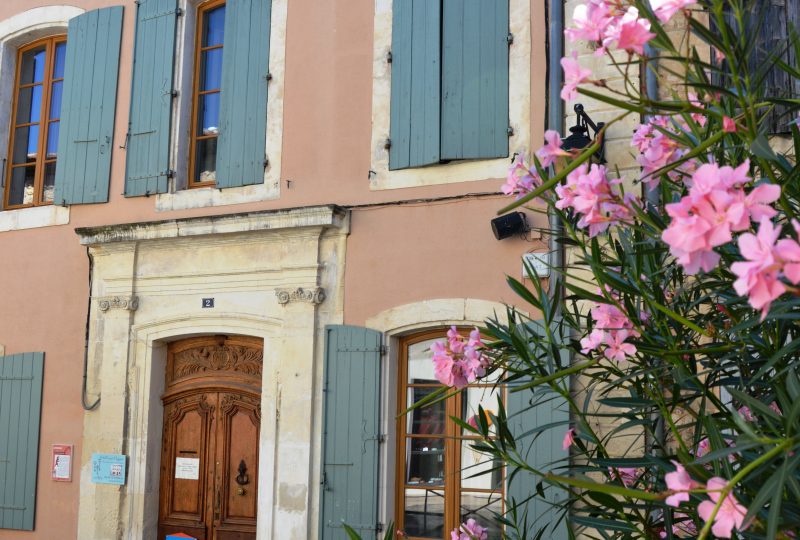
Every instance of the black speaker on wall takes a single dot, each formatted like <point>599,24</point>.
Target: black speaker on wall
<point>509,225</point>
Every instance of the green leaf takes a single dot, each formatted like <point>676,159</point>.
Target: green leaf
<point>611,489</point>
<point>628,402</point>
<point>604,523</point>
<point>760,147</point>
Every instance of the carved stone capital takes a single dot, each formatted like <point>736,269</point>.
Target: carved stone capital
<point>312,296</point>
<point>131,303</point>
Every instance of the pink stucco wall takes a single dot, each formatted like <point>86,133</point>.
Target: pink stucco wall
<point>395,254</point>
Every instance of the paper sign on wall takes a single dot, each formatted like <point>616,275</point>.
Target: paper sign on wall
<point>62,463</point>
<point>108,469</point>
<point>187,468</point>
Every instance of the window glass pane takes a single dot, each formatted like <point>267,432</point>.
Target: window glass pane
<point>26,142</point>
<point>488,471</point>
<point>29,105</point>
<point>60,58</point>
<point>55,100</point>
<point>52,140</point>
<point>480,507</point>
<point>472,397</point>
<point>420,367</point>
<point>427,420</point>
<point>208,115</point>
<point>425,462</point>
<point>211,69</point>
<point>424,513</point>
<point>21,188</point>
<point>49,182</point>
<point>214,27</point>
<point>206,160</point>
<point>32,65</point>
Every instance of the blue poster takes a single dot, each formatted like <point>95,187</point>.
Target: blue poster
<point>108,469</point>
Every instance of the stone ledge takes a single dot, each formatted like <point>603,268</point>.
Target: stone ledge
<point>33,218</point>
<point>207,197</point>
<point>329,216</point>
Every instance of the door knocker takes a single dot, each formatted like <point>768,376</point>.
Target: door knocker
<point>243,479</point>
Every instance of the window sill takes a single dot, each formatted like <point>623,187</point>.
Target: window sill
<point>208,197</point>
<point>445,173</point>
<point>33,218</point>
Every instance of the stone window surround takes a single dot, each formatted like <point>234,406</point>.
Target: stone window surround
<point>396,323</point>
<point>181,198</point>
<point>16,31</point>
<point>519,103</point>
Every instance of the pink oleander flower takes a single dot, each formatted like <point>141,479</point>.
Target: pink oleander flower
<point>683,526</point>
<point>627,475</point>
<point>758,276</point>
<point>630,32</point>
<point>728,125</point>
<point>665,9</point>
<point>469,531</point>
<point>616,348</point>
<point>680,483</point>
<point>521,179</point>
<point>745,412</point>
<point>656,148</point>
<point>459,361</point>
<point>590,20</point>
<point>551,151</point>
<point>569,439</point>
<point>593,341</point>
<point>730,515</point>
<point>714,209</point>
<point>574,75</point>
<point>697,117</point>
<point>595,199</point>
<point>703,448</point>
<point>774,407</point>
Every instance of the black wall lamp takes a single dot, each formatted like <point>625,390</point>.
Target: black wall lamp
<point>579,134</point>
<point>509,225</point>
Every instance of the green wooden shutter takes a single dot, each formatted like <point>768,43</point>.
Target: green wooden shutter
<point>538,419</point>
<point>474,79</point>
<point>351,432</point>
<point>147,167</point>
<point>20,409</point>
<point>416,84</point>
<point>243,96</point>
<point>89,103</point>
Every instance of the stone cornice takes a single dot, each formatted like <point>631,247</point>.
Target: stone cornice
<point>315,295</point>
<point>329,216</point>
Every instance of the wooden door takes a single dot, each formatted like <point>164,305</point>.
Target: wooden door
<point>209,457</point>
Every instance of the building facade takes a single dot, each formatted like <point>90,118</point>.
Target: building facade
<point>241,225</point>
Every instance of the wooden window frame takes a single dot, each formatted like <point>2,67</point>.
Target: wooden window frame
<point>200,27</point>
<point>453,442</point>
<point>40,165</point>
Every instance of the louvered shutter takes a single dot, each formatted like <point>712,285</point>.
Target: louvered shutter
<point>474,79</point>
<point>20,409</point>
<point>416,85</point>
<point>243,97</point>
<point>351,432</point>
<point>148,144</point>
<point>773,38</point>
<point>769,25</point>
<point>538,420</point>
<point>86,137</point>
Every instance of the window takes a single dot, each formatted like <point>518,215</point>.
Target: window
<point>449,81</point>
<point>436,484</point>
<point>38,89</point>
<point>206,94</point>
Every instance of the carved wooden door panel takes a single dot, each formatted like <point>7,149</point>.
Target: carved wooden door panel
<point>237,470</point>
<point>209,458</point>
